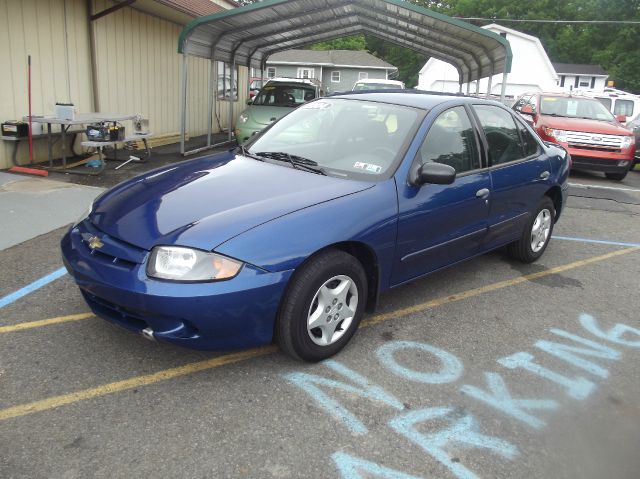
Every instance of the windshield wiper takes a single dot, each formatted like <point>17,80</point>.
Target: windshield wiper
<point>245,152</point>
<point>297,162</point>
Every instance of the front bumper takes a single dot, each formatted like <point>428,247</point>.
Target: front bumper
<point>232,314</point>
<point>604,165</point>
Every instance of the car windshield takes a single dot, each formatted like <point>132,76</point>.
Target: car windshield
<point>346,138</point>
<point>285,95</point>
<point>375,86</point>
<point>573,107</point>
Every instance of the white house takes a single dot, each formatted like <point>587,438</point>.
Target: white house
<point>581,77</point>
<point>531,69</point>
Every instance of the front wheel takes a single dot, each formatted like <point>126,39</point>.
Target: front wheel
<point>536,234</point>
<point>322,306</point>
<point>616,176</point>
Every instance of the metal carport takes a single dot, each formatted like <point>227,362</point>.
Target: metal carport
<point>247,36</point>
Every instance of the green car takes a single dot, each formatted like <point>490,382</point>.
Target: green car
<point>277,98</point>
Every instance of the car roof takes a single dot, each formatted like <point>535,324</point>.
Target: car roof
<point>296,81</point>
<point>380,81</point>
<point>560,95</point>
<point>414,98</point>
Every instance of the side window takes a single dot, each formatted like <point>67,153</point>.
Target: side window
<point>451,141</point>
<point>529,143</point>
<point>501,132</point>
<point>623,107</point>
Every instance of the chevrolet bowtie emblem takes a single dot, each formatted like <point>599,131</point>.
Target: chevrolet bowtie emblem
<point>95,243</point>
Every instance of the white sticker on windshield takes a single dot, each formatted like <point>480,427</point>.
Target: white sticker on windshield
<point>316,105</point>
<point>368,167</point>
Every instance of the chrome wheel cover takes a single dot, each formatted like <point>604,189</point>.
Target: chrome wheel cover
<point>541,230</point>
<point>332,310</point>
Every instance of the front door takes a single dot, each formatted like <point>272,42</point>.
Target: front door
<point>439,225</point>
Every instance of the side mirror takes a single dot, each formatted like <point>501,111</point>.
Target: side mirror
<point>621,118</point>
<point>435,173</point>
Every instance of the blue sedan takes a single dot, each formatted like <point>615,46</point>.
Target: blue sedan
<point>293,236</point>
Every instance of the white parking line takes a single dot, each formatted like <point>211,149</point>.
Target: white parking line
<point>580,185</point>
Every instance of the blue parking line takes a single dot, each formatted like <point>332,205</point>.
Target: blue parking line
<point>586,240</point>
<point>10,298</point>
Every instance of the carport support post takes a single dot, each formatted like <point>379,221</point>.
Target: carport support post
<point>212,75</point>
<point>183,126</point>
<point>489,84</point>
<point>478,87</point>
<point>468,87</point>
<point>504,83</point>
<point>231,79</point>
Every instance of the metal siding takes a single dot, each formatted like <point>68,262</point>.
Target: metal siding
<point>36,28</point>
<point>139,72</point>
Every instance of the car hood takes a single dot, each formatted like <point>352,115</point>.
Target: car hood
<point>203,203</point>
<point>265,115</point>
<point>587,126</point>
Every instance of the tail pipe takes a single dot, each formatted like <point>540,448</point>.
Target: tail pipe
<point>147,333</point>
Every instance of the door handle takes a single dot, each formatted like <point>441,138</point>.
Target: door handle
<point>545,175</point>
<point>483,193</point>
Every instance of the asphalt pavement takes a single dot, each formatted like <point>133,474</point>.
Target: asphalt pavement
<point>488,369</point>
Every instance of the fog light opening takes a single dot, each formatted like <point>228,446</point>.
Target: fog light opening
<point>623,163</point>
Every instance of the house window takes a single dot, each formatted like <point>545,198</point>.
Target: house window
<point>227,91</point>
<point>562,80</point>
<point>363,75</point>
<point>271,72</point>
<point>335,76</point>
<point>305,72</point>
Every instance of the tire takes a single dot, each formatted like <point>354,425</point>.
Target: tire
<point>536,234</point>
<point>330,290</point>
<point>616,176</point>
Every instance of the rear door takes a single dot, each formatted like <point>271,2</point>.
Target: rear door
<point>441,224</point>
<point>520,172</point>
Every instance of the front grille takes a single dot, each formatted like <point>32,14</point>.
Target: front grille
<point>110,250</point>
<point>106,309</point>
<point>594,141</point>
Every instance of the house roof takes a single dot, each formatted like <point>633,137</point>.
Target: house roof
<point>195,8</point>
<point>572,69</point>
<point>250,35</point>
<point>342,58</point>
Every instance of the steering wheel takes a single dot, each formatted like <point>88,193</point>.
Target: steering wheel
<point>383,152</point>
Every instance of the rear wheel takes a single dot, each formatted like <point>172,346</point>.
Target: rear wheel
<point>536,234</point>
<point>322,307</point>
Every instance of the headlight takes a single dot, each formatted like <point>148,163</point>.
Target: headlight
<point>185,264</point>
<point>559,135</point>
<point>84,215</point>
<point>243,118</point>
<point>627,141</point>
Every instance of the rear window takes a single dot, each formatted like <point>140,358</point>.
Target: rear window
<point>284,95</point>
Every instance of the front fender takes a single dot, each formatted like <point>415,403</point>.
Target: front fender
<point>368,217</point>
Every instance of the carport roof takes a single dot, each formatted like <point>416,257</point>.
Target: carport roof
<point>249,35</point>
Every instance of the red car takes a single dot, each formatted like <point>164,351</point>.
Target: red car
<point>594,138</point>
